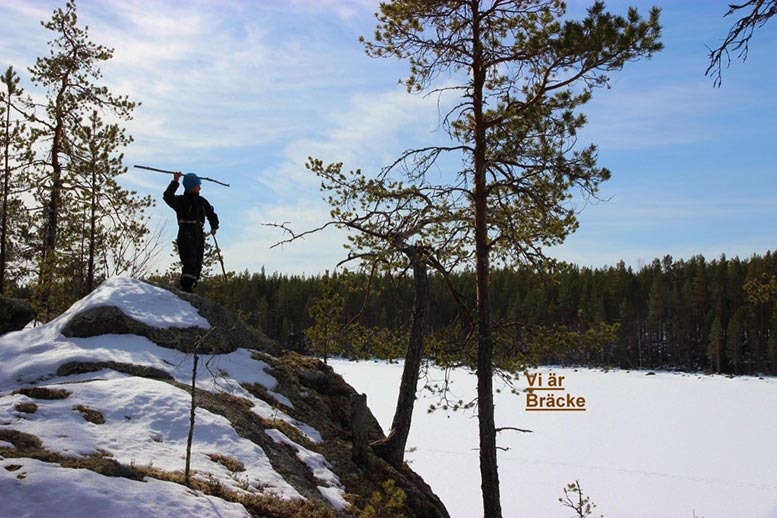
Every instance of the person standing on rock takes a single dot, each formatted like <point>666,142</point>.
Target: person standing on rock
<point>192,210</point>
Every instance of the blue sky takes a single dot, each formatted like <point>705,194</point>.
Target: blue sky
<point>245,91</point>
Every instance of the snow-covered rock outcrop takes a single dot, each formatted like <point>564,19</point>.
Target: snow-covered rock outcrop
<point>93,389</point>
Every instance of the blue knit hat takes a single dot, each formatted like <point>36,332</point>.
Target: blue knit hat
<point>190,180</point>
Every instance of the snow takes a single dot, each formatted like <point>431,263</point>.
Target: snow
<point>40,490</point>
<point>153,306</point>
<point>647,446</point>
<point>333,490</point>
<point>32,355</point>
<point>146,424</point>
<point>146,421</point>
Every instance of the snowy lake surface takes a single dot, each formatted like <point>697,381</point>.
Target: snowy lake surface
<point>663,445</point>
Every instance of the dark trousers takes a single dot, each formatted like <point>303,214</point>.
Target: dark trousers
<point>191,247</point>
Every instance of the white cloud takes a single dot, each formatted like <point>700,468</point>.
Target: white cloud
<point>637,117</point>
<point>214,76</point>
<point>366,135</point>
<point>246,91</point>
<point>309,255</point>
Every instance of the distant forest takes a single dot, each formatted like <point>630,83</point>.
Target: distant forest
<point>694,314</point>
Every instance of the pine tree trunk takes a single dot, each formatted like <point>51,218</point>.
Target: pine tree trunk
<point>46,274</point>
<point>55,194</point>
<point>487,429</point>
<point>392,449</point>
<point>489,473</point>
<point>6,181</point>
<point>92,234</point>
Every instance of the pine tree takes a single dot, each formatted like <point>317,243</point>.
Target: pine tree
<point>761,292</point>
<point>521,70</point>
<point>715,344</point>
<point>627,332</point>
<point>13,217</point>
<point>734,340</point>
<point>757,13</point>
<point>114,223</point>
<point>657,300</point>
<point>396,228</point>
<point>326,333</point>
<point>69,74</point>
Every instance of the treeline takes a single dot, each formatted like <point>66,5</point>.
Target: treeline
<point>693,314</point>
<point>65,222</point>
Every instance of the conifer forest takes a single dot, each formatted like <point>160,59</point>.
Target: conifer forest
<point>716,315</point>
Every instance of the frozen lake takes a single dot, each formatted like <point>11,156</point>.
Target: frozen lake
<point>663,445</point>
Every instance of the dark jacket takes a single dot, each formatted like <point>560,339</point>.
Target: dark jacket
<point>190,207</point>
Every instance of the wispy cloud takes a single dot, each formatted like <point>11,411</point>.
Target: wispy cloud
<point>210,75</point>
<point>365,135</point>
<point>310,255</point>
<point>247,90</point>
<point>649,116</point>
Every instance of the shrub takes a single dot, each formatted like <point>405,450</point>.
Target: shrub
<point>387,504</point>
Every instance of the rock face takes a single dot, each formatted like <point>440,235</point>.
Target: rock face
<point>227,333</point>
<point>14,314</point>
<point>294,408</point>
<point>327,406</point>
<point>322,399</point>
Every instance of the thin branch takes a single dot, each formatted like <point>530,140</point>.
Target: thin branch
<point>512,428</point>
<point>739,35</point>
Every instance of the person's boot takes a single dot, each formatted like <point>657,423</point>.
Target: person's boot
<point>187,284</point>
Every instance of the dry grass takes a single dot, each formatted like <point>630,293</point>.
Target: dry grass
<point>27,408</point>
<point>274,507</point>
<point>42,393</point>
<point>30,446</point>
<point>91,415</point>
<point>21,441</point>
<point>259,391</point>
<point>99,463</point>
<point>259,506</point>
<point>229,399</point>
<point>231,463</point>
<point>132,369</point>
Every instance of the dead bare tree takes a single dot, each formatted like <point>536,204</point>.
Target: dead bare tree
<point>193,407</point>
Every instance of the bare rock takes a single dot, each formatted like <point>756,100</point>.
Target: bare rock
<point>14,314</point>
<point>227,332</point>
<point>318,396</point>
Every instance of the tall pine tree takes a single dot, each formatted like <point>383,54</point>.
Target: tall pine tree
<point>13,218</point>
<point>520,71</point>
<point>70,76</point>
